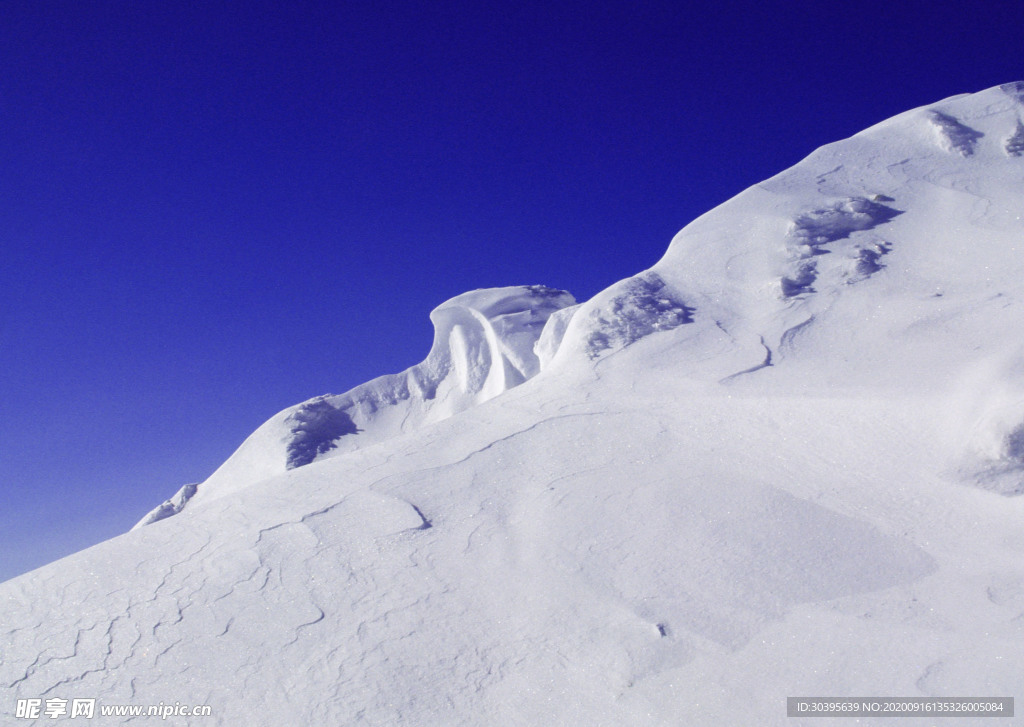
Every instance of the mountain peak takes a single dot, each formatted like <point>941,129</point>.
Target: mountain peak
<point>787,457</point>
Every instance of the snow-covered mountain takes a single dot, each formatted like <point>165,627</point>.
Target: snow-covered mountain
<point>784,461</point>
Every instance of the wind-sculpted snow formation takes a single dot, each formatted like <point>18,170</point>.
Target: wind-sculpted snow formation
<point>784,461</point>
<point>483,346</point>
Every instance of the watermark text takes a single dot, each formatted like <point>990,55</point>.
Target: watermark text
<point>87,708</point>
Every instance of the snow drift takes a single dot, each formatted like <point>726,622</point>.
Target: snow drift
<point>784,461</point>
<point>483,345</point>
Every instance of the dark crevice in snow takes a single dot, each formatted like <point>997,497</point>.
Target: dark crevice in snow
<point>763,365</point>
<point>426,523</point>
<point>321,615</point>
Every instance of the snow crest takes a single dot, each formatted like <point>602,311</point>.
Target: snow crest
<point>483,345</point>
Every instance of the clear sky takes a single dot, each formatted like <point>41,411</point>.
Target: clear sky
<point>212,211</point>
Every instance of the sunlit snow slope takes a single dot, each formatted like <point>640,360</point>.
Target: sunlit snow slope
<point>784,461</point>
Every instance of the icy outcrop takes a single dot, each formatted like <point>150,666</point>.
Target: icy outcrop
<point>1014,90</point>
<point>171,506</point>
<point>483,345</point>
<point>840,219</point>
<point>486,339</point>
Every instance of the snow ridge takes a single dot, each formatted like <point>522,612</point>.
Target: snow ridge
<point>483,345</point>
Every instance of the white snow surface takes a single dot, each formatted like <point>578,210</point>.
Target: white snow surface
<point>784,461</point>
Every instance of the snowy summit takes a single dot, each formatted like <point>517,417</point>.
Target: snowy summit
<point>784,461</point>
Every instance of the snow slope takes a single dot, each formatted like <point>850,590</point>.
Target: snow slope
<point>784,461</point>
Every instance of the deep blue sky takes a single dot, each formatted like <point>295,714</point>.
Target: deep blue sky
<point>212,211</point>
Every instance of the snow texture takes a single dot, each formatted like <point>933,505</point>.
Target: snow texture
<point>953,135</point>
<point>1015,142</point>
<point>315,427</point>
<point>785,460</point>
<point>815,229</point>
<point>644,305</point>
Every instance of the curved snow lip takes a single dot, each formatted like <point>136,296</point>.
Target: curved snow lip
<point>484,343</point>
<point>488,336</point>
